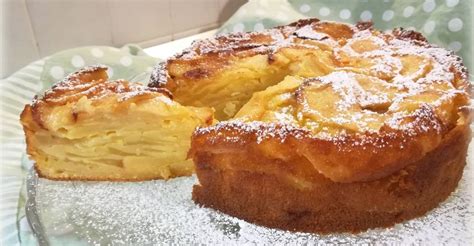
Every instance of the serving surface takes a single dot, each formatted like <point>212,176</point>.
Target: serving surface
<point>99,212</point>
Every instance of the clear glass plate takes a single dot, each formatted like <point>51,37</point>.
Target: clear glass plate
<point>162,212</point>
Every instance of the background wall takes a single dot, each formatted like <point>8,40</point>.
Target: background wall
<point>32,29</point>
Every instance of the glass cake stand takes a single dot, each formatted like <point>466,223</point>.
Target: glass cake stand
<point>162,212</point>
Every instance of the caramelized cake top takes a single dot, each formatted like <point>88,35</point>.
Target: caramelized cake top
<point>92,82</point>
<point>89,85</point>
<point>208,56</point>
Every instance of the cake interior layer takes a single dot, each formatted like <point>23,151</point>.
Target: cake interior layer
<point>233,85</point>
<point>148,141</point>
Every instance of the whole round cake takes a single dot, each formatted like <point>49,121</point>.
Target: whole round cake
<point>325,127</point>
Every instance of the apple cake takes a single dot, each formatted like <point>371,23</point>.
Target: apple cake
<point>89,128</point>
<point>325,127</point>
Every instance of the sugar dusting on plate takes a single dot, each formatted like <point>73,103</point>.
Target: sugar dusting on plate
<point>162,212</point>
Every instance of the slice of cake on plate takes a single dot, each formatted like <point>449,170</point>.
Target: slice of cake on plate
<point>89,128</point>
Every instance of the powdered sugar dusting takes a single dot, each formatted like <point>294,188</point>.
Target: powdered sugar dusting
<point>402,63</point>
<point>162,212</point>
<point>404,71</point>
<point>258,129</point>
<point>309,33</point>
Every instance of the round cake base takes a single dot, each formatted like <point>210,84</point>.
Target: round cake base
<point>335,207</point>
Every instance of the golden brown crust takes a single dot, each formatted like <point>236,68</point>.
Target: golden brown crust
<point>262,191</point>
<point>345,158</point>
<point>340,155</point>
<point>91,82</point>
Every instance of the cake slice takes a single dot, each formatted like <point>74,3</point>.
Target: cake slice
<point>89,128</point>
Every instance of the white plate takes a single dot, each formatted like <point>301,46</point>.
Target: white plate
<point>162,212</point>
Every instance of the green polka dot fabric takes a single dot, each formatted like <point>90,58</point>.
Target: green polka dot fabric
<point>129,63</point>
<point>447,23</point>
